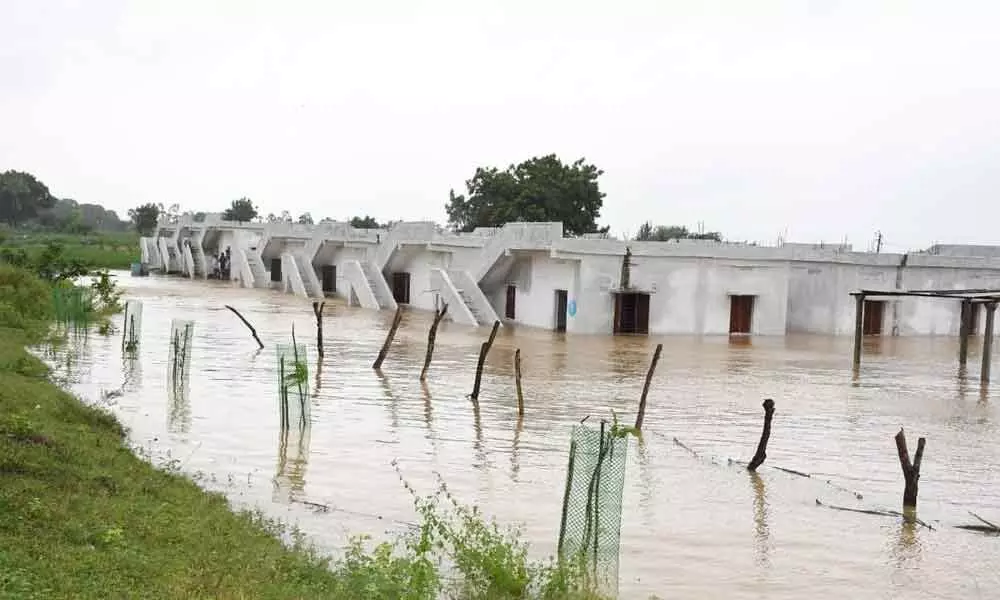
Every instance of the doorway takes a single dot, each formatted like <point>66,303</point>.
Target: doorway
<point>740,314</point>
<point>276,270</point>
<point>401,287</point>
<point>631,313</point>
<point>329,277</point>
<point>874,314</point>
<point>509,311</point>
<point>562,302</point>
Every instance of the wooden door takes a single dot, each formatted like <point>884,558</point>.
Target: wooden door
<point>874,313</point>
<point>642,313</point>
<point>329,273</point>
<point>401,287</point>
<point>509,310</point>
<point>562,300</point>
<point>740,314</point>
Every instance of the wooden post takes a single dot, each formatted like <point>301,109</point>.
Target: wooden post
<point>517,383</point>
<point>125,327</point>
<point>964,327</point>
<point>483,351</point>
<point>984,374</point>
<point>318,311</point>
<point>645,388</point>
<point>253,331</point>
<point>431,336</point>
<point>761,454</point>
<point>859,331</point>
<point>388,338</point>
<point>911,471</point>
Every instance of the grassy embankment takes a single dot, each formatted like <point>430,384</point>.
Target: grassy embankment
<point>82,517</point>
<point>96,250</point>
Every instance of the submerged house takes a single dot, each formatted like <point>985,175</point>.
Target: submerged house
<point>529,274</point>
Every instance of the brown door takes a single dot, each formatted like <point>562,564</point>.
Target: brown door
<point>874,311</point>
<point>562,297</point>
<point>511,299</point>
<point>740,314</point>
<point>276,269</point>
<point>642,313</point>
<point>631,313</point>
<point>329,278</point>
<point>401,287</point>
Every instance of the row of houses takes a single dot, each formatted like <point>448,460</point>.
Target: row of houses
<point>529,274</point>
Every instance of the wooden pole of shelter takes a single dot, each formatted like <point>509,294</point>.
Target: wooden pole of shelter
<point>911,470</point>
<point>431,336</point>
<point>483,351</point>
<point>645,388</point>
<point>247,323</point>
<point>984,374</point>
<point>761,454</point>
<point>318,311</point>
<point>859,319</point>
<point>388,338</point>
<point>517,382</point>
<point>965,325</point>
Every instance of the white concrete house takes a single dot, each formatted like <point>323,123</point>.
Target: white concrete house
<point>529,274</point>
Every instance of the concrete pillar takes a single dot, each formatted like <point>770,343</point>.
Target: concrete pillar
<point>964,332</point>
<point>984,376</point>
<point>859,317</point>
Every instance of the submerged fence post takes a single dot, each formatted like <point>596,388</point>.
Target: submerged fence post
<point>517,382</point>
<point>964,330</point>
<point>911,470</point>
<point>318,311</point>
<point>761,454</point>
<point>984,374</point>
<point>483,351</point>
<point>431,336</point>
<point>645,388</point>
<point>388,338</point>
<point>859,331</point>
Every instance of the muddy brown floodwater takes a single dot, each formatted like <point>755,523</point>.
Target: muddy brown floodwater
<point>691,528</point>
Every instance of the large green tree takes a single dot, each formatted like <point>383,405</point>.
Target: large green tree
<point>145,217</point>
<point>241,210</point>
<point>365,222</point>
<point>22,197</point>
<point>540,189</point>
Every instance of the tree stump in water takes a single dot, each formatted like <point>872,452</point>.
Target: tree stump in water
<point>911,470</point>
<point>761,454</point>
<point>431,336</point>
<point>388,339</point>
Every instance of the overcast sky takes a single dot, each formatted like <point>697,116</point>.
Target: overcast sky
<point>821,119</point>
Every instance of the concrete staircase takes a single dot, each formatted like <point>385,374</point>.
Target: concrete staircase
<point>376,280</point>
<point>241,265</point>
<point>458,307</point>
<point>361,290</point>
<point>473,297</point>
<point>291,278</point>
<point>187,260</point>
<point>313,288</point>
<point>260,277</point>
<point>199,268</point>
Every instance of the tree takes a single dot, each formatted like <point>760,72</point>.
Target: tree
<point>662,233</point>
<point>22,197</point>
<point>144,217</point>
<point>305,219</point>
<point>365,222</point>
<point>540,189</point>
<point>241,210</point>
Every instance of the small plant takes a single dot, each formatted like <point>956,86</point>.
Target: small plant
<point>292,375</point>
<point>108,294</point>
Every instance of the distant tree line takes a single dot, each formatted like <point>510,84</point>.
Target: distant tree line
<point>664,233</point>
<point>27,203</point>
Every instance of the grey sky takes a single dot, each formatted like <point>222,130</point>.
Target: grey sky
<point>828,119</point>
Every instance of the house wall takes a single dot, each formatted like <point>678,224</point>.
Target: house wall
<point>418,262</point>
<point>536,278</point>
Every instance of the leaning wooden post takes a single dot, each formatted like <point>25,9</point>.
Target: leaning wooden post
<point>984,374</point>
<point>483,351</point>
<point>431,336</point>
<point>517,382</point>
<point>964,327</point>
<point>645,388</point>
<point>761,454</point>
<point>911,471</point>
<point>859,331</point>
<point>318,311</point>
<point>253,331</point>
<point>388,338</point>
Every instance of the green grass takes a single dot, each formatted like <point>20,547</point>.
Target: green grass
<point>81,516</point>
<point>96,250</point>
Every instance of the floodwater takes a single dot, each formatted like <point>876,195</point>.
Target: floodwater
<point>692,526</point>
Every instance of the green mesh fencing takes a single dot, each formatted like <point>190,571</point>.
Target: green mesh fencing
<point>179,359</point>
<point>293,385</point>
<point>132,326</point>
<point>590,529</point>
